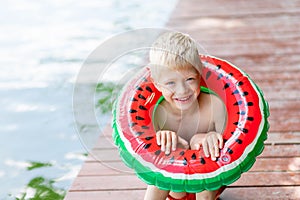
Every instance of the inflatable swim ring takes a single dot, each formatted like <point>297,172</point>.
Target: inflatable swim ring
<point>189,170</point>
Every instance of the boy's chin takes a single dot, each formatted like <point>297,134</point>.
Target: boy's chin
<point>183,107</point>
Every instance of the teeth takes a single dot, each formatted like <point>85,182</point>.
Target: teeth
<point>184,99</point>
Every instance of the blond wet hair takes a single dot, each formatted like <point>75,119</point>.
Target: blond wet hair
<point>174,50</point>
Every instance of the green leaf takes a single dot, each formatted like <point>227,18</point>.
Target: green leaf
<point>35,165</point>
<point>107,93</point>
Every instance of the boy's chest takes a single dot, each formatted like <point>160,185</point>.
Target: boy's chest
<point>188,126</point>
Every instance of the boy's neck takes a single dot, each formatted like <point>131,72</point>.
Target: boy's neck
<point>178,112</point>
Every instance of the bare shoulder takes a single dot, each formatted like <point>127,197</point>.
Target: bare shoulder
<point>217,102</point>
<point>212,101</point>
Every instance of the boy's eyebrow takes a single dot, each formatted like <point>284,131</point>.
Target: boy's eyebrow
<point>168,80</point>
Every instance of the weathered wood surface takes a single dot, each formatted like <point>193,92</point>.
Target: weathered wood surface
<point>262,38</point>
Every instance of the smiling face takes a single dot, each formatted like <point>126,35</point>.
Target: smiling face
<point>180,88</point>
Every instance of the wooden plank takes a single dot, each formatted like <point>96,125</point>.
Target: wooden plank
<point>104,155</point>
<point>131,182</point>
<point>283,138</point>
<point>265,193</point>
<point>280,105</point>
<point>232,193</point>
<point>206,28</point>
<point>270,179</point>
<point>290,164</point>
<point>281,151</point>
<point>103,195</point>
<point>105,169</point>
<point>233,8</point>
<point>102,183</point>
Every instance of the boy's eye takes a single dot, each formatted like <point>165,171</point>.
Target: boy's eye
<point>190,79</point>
<point>170,83</point>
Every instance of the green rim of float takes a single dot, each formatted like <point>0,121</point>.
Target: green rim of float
<point>188,170</point>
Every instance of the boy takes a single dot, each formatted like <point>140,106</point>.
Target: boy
<point>187,118</point>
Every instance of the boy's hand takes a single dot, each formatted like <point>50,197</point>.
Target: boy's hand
<point>211,143</point>
<point>168,141</point>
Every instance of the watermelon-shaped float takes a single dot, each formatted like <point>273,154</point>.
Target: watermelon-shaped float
<point>189,170</point>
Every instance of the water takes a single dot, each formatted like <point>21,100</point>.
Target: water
<point>43,45</point>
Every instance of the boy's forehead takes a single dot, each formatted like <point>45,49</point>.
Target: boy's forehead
<point>176,69</point>
<point>168,72</point>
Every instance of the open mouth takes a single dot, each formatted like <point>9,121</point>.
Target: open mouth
<point>183,99</point>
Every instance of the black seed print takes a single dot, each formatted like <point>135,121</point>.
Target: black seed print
<point>240,83</point>
<point>132,111</point>
<point>181,153</point>
<point>236,123</point>
<point>145,127</point>
<point>194,156</point>
<point>139,118</point>
<point>229,75</point>
<point>149,89</point>
<point>208,75</point>
<point>224,140</point>
<point>235,92</point>
<point>149,138</point>
<point>241,113</point>
<point>139,88</point>
<point>229,151</point>
<point>239,141</point>
<point>238,103</point>
<point>245,93</point>
<point>139,133</point>
<point>250,118</point>
<point>250,104</point>
<point>146,146</point>
<point>220,76</point>
<point>141,97</point>
<point>172,160</point>
<point>202,161</point>
<point>226,86</point>
<point>142,107</point>
<point>232,132</point>
<point>134,99</point>
<point>132,124</point>
<point>218,67</point>
<point>184,161</point>
<point>157,152</point>
<point>244,130</point>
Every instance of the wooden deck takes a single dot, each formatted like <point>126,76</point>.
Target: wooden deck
<point>261,37</point>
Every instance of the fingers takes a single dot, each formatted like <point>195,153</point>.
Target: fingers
<point>167,140</point>
<point>168,143</point>
<point>183,142</point>
<point>158,138</point>
<point>205,148</point>
<point>220,138</point>
<point>174,141</point>
<point>212,145</point>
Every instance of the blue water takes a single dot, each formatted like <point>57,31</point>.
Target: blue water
<point>43,45</point>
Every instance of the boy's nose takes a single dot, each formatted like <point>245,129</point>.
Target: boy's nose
<point>181,89</point>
